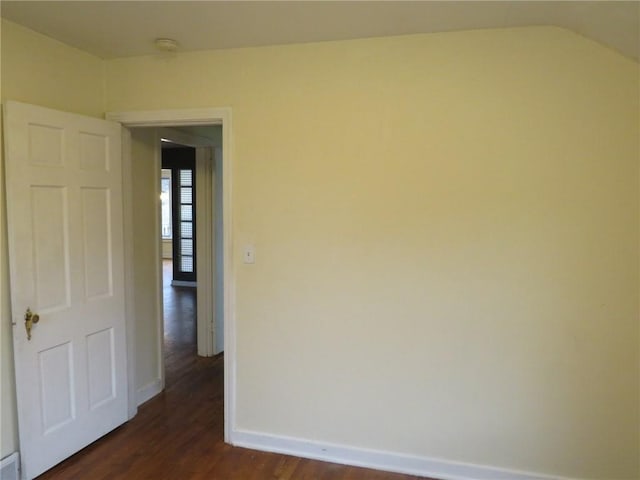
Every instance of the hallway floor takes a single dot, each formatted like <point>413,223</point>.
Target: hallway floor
<point>179,433</point>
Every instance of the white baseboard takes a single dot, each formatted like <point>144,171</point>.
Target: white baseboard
<point>379,460</point>
<point>10,467</point>
<point>149,391</point>
<point>183,283</point>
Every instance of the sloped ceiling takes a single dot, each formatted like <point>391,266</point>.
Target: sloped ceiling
<point>111,29</point>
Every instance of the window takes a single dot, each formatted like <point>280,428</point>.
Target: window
<point>179,209</point>
<point>165,197</point>
<point>186,220</point>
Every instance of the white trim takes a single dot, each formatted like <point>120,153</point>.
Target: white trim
<point>157,165</point>
<point>187,139</point>
<point>204,251</point>
<point>171,118</point>
<point>208,116</point>
<point>218,329</point>
<point>149,391</point>
<point>10,467</point>
<point>380,460</point>
<point>127,202</point>
<point>184,283</point>
<point>229,277</point>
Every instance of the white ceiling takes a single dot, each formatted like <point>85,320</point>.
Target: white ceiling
<point>111,29</point>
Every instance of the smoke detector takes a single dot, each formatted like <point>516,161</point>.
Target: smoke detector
<point>166,44</point>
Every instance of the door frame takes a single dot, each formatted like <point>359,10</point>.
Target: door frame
<point>175,118</point>
<point>178,160</point>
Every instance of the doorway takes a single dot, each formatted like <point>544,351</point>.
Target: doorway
<point>179,261</point>
<point>223,155</point>
<point>193,157</point>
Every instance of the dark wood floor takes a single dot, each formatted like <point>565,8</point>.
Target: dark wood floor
<point>179,434</point>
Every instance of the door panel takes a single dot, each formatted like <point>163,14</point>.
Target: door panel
<point>51,280</point>
<point>94,152</point>
<point>97,248</point>
<point>64,211</point>
<point>56,383</point>
<point>101,368</point>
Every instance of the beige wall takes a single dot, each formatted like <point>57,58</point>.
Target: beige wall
<point>42,71</point>
<point>167,249</point>
<point>446,230</point>
<point>146,252</point>
<point>38,70</point>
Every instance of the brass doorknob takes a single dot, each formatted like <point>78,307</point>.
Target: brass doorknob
<point>29,319</point>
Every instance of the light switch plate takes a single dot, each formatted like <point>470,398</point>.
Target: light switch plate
<point>249,254</point>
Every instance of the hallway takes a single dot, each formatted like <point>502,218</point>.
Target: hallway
<point>179,315</point>
<point>179,434</point>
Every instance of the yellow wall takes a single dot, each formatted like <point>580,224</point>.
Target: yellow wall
<point>42,71</point>
<point>38,70</point>
<point>446,230</point>
<point>145,178</point>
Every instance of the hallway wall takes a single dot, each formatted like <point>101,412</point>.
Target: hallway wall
<point>145,143</point>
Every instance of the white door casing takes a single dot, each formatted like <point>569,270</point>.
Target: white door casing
<point>65,224</point>
<point>206,298</point>
<point>218,242</point>
<point>226,300</point>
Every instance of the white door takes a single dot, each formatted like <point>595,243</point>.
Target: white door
<point>64,210</point>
